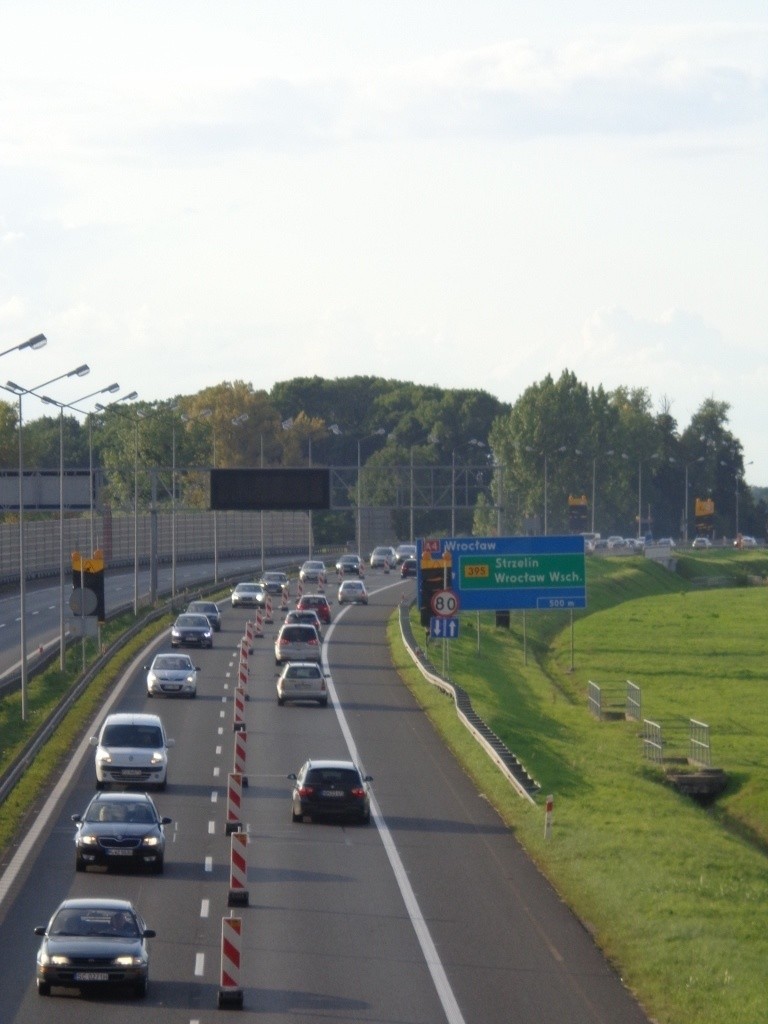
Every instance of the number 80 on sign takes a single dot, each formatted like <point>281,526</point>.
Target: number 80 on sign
<point>445,603</point>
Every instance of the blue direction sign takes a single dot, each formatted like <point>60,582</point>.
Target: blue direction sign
<point>442,628</point>
<point>492,573</point>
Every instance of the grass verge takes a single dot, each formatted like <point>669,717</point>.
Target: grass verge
<point>675,893</point>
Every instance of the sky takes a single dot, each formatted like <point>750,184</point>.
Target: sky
<point>467,194</point>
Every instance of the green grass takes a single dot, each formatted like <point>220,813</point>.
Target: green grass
<point>676,894</point>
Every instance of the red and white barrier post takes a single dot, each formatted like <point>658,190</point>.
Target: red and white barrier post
<point>230,992</point>
<point>258,625</point>
<point>234,803</point>
<point>283,600</point>
<point>268,609</point>
<point>248,637</point>
<point>238,721</point>
<point>241,749</point>
<point>238,870</point>
<point>242,674</point>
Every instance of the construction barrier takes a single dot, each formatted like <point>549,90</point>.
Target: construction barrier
<point>230,992</point>
<point>268,609</point>
<point>258,625</point>
<point>241,748</point>
<point>284,601</point>
<point>238,870</point>
<point>234,803</point>
<point>242,674</point>
<point>249,637</point>
<point>238,721</point>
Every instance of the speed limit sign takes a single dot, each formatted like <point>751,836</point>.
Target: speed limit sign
<point>445,603</point>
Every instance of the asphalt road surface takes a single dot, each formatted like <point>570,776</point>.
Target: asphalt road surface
<point>431,914</point>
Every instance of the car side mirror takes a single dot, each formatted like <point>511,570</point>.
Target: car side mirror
<point>170,743</point>
<point>40,929</point>
<point>77,818</point>
<point>148,933</point>
<point>166,821</point>
<point>94,741</point>
<point>291,776</point>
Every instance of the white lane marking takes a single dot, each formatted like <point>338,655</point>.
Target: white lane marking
<point>214,796</point>
<point>211,828</point>
<point>205,908</point>
<point>437,971</point>
<point>209,863</point>
<point>199,964</point>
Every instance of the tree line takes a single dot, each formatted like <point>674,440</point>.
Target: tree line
<point>443,460</point>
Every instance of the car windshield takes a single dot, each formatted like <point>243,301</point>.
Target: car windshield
<point>94,921</point>
<point>191,620</point>
<point>145,737</point>
<point>137,813</point>
<point>171,663</point>
<point>203,608</point>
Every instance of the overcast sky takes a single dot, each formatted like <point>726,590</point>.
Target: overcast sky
<point>469,194</point>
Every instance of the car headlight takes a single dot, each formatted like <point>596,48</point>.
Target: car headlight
<point>128,961</point>
<point>157,757</point>
<point>104,757</point>
<point>151,679</point>
<point>191,677</point>
<point>45,960</point>
<point>88,840</point>
<point>150,841</point>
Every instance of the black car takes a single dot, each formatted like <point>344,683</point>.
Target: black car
<point>192,631</point>
<point>334,789</point>
<point>94,943</point>
<point>276,583</point>
<point>349,565</point>
<point>120,830</point>
<point>209,609</point>
<point>408,568</point>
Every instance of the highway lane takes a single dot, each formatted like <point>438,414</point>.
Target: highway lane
<point>43,602</point>
<point>431,914</point>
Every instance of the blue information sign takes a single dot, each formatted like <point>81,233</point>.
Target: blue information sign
<point>442,628</point>
<point>498,573</point>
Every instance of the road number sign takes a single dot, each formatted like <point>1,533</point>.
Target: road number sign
<point>445,603</point>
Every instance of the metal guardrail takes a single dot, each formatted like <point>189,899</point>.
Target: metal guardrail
<point>494,747</point>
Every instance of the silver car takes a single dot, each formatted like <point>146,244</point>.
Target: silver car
<point>172,675</point>
<point>302,680</point>
<point>297,642</point>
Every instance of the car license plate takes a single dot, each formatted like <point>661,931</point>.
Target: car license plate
<point>333,793</point>
<point>131,771</point>
<point>91,976</point>
<point>120,853</point>
<point>171,687</point>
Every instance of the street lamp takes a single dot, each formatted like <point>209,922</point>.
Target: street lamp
<point>110,389</point>
<point>138,415</point>
<point>39,341</point>
<point>546,457</point>
<point>377,433</point>
<point>19,391</point>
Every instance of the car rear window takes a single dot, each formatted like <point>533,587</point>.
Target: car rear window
<point>303,672</point>
<point>297,633</point>
<point>337,778</point>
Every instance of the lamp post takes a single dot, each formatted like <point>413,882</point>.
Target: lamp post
<point>546,457</point>
<point>19,391</point>
<point>100,408</point>
<point>640,495</point>
<point>377,433</point>
<point>110,389</point>
<point>39,341</point>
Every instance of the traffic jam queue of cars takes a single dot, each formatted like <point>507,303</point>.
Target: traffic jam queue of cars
<point>100,942</point>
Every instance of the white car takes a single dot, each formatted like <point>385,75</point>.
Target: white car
<point>132,749</point>
<point>352,592</point>
<point>313,571</point>
<point>302,680</point>
<point>172,675</point>
<point>701,542</point>
<point>403,551</point>
<point>745,541</point>
<point>383,558</point>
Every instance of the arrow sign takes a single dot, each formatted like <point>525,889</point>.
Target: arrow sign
<point>444,629</point>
